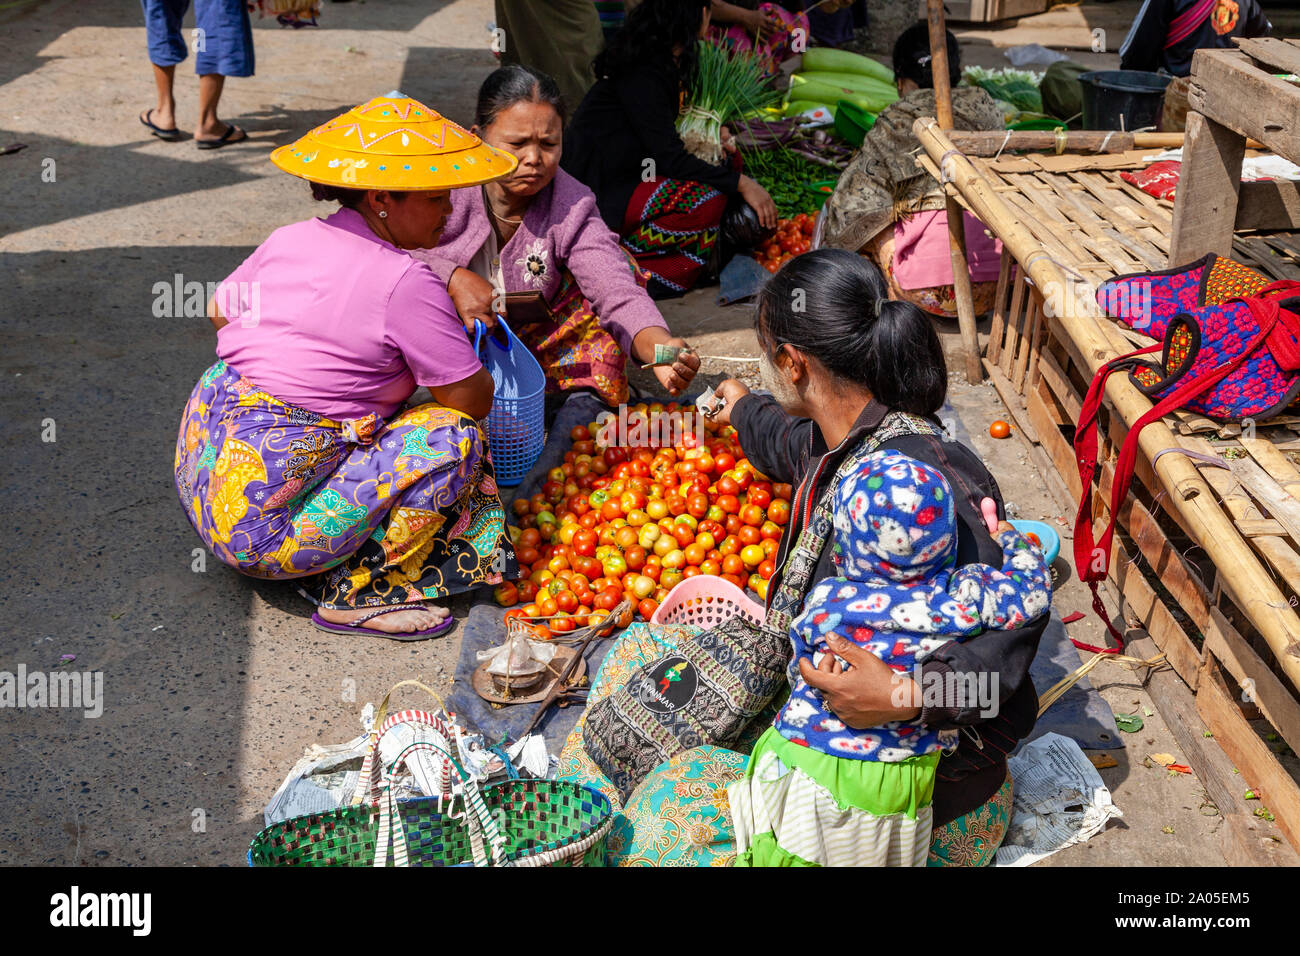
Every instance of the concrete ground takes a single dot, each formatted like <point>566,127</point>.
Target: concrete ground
<point>213,684</point>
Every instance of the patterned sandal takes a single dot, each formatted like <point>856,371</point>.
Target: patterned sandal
<point>353,626</point>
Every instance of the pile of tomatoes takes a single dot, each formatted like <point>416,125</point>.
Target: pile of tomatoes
<point>792,237</point>
<point>615,523</point>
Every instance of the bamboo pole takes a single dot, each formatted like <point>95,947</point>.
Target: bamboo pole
<point>992,142</point>
<point>1186,493</point>
<point>961,291</point>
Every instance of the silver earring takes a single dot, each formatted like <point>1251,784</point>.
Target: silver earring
<point>383,214</point>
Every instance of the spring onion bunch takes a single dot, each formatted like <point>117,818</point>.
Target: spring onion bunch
<point>726,85</point>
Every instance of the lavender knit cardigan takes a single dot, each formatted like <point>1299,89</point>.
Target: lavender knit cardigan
<point>561,228</point>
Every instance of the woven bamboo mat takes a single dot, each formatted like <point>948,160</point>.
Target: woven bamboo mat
<point>1099,226</point>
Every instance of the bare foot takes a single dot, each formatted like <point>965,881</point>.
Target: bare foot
<point>164,116</point>
<point>161,124</point>
<point>212,132</point>
<point>396,622</point>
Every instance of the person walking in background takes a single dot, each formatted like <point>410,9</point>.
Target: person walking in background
<point>223,46</point>
<point>559,38</point>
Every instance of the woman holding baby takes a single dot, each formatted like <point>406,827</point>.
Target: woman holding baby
<point>906,577</point>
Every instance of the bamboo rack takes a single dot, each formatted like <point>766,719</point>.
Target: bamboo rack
<point>1062,234</point>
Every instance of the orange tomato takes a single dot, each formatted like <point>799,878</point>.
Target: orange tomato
<point>1000,429</point>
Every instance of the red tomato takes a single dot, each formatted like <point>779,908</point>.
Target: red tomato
<point>778,512</point>
<point>647,608</point>
<point>507,594</point>
<point>635,557</point>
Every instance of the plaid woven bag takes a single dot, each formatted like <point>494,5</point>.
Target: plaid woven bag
<point>1236,359</point>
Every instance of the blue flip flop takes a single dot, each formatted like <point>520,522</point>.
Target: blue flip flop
<point>352,627</point>
<point>168,134</point>
<point>224,139</point>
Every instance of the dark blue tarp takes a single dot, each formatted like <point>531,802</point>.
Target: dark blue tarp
<point>1081,713</point>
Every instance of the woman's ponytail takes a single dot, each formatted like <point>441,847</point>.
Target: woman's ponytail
<point>904,366</point>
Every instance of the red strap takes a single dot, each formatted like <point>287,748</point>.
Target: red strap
<point>1085,451</point>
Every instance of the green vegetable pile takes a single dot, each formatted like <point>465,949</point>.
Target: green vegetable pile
<point>726,85</point>
<point>784,175</point>
<point>1016,91</point>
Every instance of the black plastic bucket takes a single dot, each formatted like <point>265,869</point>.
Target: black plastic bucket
<point>1122,99</point>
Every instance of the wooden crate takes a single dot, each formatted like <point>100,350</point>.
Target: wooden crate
<point>1186,612</point>
<point>1207,556</point>
<point>1233,95</point>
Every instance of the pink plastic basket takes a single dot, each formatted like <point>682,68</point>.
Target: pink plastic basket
<point>706,601</point>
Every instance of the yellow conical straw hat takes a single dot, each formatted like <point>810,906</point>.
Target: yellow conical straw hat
<point>393,142</point>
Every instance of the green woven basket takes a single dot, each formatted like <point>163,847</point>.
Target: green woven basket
<point>545,822</point>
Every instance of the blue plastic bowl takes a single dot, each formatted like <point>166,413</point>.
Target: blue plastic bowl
<point>1046,534</point>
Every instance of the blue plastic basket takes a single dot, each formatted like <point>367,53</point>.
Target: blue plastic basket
<point>516,425</point>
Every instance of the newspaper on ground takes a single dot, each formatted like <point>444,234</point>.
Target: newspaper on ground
<point>324,779</point>
<point>529,754</point>
<point>1059,800</point>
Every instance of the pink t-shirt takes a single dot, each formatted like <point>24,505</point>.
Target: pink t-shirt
<point>327,316</point>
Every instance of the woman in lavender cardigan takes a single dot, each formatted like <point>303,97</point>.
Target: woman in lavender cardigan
<point>540,231</point>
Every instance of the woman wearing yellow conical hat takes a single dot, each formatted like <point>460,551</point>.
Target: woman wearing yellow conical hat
<point>294,459</point>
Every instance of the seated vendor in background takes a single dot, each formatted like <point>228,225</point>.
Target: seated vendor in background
<point>539,231</point>
<point>665,204</point>
<point>889,209</point>
<point>1166,33</point>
